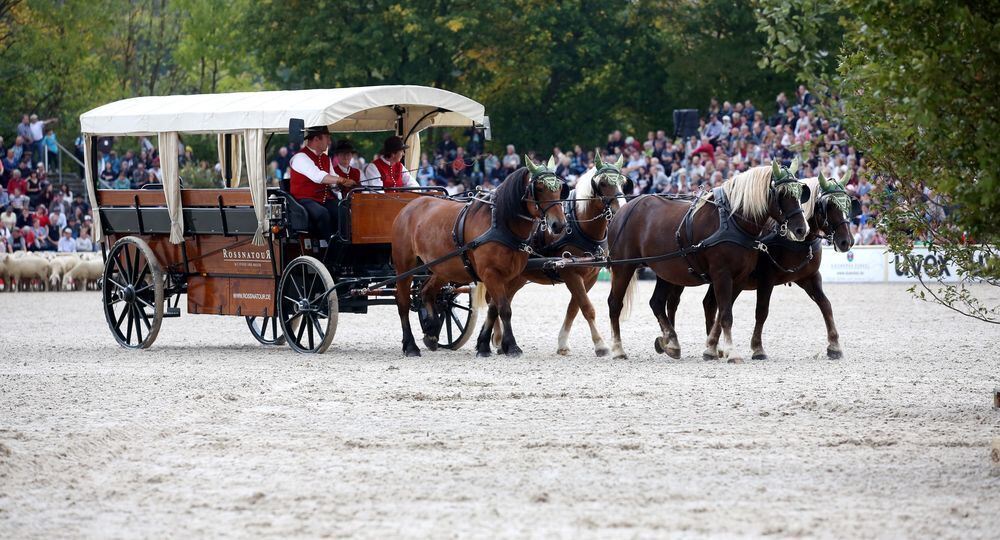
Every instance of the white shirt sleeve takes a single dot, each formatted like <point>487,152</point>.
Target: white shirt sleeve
<point>408,180</point>
<point>371,177</point>
<point>303,165</point>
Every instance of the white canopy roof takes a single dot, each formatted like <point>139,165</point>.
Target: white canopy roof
<point>368,108</point>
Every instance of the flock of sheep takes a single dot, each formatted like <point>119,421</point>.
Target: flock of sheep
<point>50,271</point>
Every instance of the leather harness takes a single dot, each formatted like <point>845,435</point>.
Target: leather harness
<point>498,232</point>
<point>572,237</point>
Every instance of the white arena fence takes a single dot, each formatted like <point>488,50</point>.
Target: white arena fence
<point>50,271</point>
<point>872,264</point>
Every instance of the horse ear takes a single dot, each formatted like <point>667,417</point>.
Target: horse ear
<point>844,178</point>
<point>823,184</point>
<point>597,159</point>
<point>532,168</point>
<point>775,171</point>
<point>621,161</point>
<point>795,165</point>
<point>552,163</point>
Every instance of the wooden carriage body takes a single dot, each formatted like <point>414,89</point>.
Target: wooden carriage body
<point>229,250</point>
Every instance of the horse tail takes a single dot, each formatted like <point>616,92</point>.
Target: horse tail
<point>497,333</point>
<point>479,296</point>
<point>630,295</point>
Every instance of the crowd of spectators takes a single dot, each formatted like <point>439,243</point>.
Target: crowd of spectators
<point>35,214</point>
<point>731,137</point>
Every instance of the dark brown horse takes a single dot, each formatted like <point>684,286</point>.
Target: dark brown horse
<point>597,196</point>
<point>649,226</point>
<point>428,227</point>
<point>827,211</point>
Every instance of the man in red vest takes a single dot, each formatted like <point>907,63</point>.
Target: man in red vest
<point>386,170</point>
<point>311,180</point>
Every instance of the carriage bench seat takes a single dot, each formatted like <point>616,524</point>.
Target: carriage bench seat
<point>206,211</point>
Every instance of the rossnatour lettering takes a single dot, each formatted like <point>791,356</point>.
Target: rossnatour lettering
<point>232,254</point>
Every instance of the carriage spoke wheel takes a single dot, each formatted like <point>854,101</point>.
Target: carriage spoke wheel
<point>308,305</point>
<point>453,310</point>
<point>133,293</point>
<point>266,330</point>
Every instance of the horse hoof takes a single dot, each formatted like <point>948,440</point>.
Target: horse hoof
<point>674,353</point>
<point>412,352</point>
<point>514,352</point>
<point>735,360</point>
<point>759,356</point>
<point>431,342</point>
<point>657,347</point>
<point>834,354</point>
<point>483,354</point>
<point>602,352</point>
<point>621,356</point>
<point>709,354</point>
<point>563,351</point>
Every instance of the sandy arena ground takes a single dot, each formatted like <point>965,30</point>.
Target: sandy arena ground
<point>209,434</point>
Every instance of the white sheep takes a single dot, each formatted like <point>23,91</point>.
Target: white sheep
<point>27,268</point>
<point>83,274</point>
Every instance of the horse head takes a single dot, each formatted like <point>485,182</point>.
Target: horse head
<point>836,208</point>
<point>544,191</point>
<point>785,201</point>
<point>608,183</point>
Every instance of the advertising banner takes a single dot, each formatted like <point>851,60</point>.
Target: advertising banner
<point>862,264</point>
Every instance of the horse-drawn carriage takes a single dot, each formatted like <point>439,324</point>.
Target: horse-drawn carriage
<point>247,251</point>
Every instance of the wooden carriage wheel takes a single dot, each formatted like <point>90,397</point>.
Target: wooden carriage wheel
<point>266,330</point>
<point>307,309</point>
<point>453,310</point>
<point>132,289</point>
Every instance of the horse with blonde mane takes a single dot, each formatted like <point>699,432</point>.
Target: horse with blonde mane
<point>710,240</point>
<point>828,211</point>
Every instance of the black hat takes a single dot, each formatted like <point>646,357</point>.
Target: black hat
<point>316,131</point>
<point>343,145</point>
<point>392,145</point>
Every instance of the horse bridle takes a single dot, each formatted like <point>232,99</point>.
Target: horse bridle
<point>783,222</point>
<point>534,179</point>
<point>595,185</point>
<point>824,199</point>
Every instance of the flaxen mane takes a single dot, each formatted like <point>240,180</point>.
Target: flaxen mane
<point>809,207</point>
<point>585,191</point>
<point>748,192</point>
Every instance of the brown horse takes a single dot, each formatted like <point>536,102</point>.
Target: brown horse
<point>427,229</point>
<point>597,196</point>
<point>649,226</point>
<point>827,211</point>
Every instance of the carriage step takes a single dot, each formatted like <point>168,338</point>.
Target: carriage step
<point>172,312</point>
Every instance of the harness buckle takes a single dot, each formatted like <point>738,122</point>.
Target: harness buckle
<point>760,246</point>
<point>527,249</point>
<point>783,229</point>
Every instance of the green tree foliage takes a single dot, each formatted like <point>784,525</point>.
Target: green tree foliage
<point>921,83</point>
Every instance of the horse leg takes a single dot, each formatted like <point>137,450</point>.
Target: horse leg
<point>508,345</point>
<point>431,326</point>
<point>403,307</point>
<point>813,285</point>
<point>664,294</point>
<point>724,296</point>
<point>404,259</point>
<point>571,310</point>
<point>711,307</point>
<point>581,302</point>
<point>764,290</point>
<point>621,277</point>
<point>486,333</point>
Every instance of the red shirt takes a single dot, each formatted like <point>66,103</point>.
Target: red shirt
<point>705,148</point>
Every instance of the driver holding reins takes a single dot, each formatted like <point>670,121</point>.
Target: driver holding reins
<point>311,180</point>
